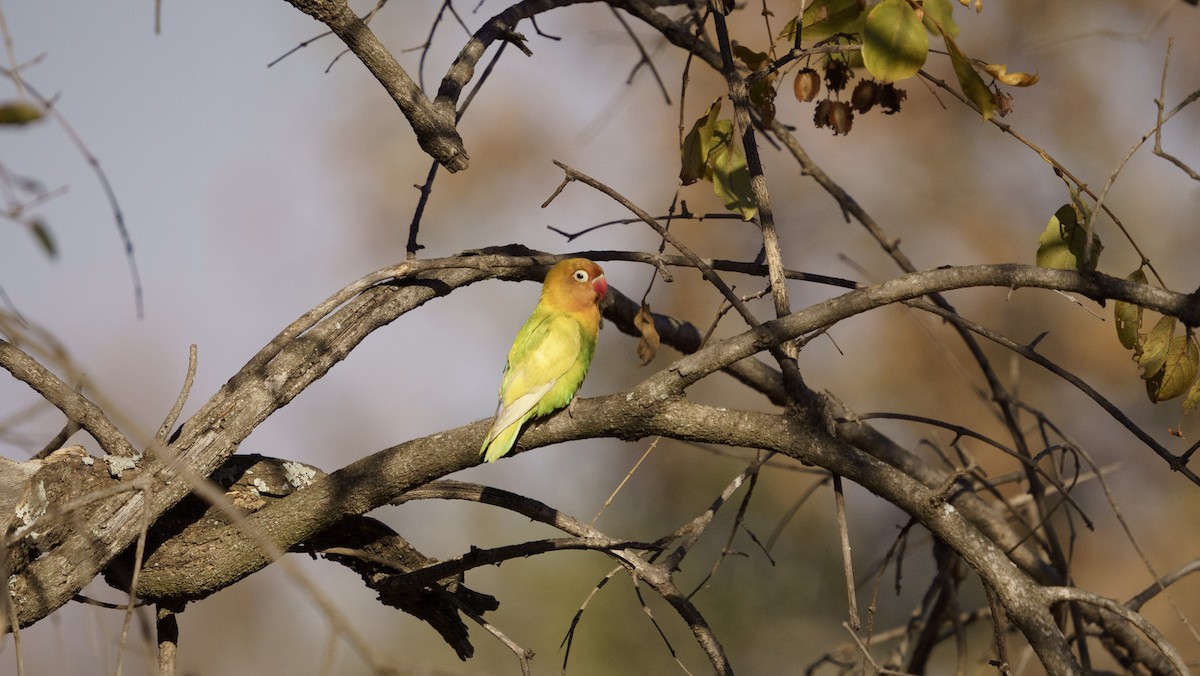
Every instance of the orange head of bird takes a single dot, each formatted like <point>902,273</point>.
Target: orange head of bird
<point>576,284</point>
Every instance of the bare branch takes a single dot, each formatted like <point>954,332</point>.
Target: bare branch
<point>434,125</point>
<point>74,405</point>
<point>1060,594</point>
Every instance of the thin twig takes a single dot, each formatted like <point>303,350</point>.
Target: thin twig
<point>188,381</point>
<point>1159,103</point>
<point>426,188</point>
<point>1162,583</point>
<point>101,177</point>
<point>655,575</point>
<point>1175,463</point>
<point>645,56</point>
<point>1156,132</point>
<point>706,270</point>
<point>628,476</point>
<point>523,656</point>
<point>959,430</point>
<point>1058,166</point>
<point>569,638</point>
<point>11,51</point>
<point>138,555</point>
<point>839,502</point>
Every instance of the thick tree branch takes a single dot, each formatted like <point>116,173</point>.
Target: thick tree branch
<point>207,439</point>
<point>647,410</point>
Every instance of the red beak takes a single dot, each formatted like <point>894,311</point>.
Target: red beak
<point>600,286</point>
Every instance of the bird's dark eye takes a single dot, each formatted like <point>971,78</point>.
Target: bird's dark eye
<point>581,276</point>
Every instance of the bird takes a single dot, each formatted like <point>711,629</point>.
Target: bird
<point>551,353</point>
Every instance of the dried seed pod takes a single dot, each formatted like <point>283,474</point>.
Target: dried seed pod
<point>1003,101</point>
<point>837,74</point>
<point>841,118</point>
<point>865,96</point>
<point>890,97</point>
<point>821,116</point>
<point>807,85</point>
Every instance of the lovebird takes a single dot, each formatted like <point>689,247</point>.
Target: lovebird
<point>551,353</point>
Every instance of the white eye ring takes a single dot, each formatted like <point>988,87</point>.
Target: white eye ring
<point>581,276</point>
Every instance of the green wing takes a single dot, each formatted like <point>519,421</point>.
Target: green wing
<point>546,366</point>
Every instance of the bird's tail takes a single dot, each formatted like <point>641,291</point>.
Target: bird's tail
<point>499,443</point>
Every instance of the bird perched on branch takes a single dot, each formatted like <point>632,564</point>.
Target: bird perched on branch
<point>551,353</point>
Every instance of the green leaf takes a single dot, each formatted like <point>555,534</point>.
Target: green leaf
<point>1156,347</point>
<point>939,17</point>
<point>697,145</point>
<point>731,178</point>
<point>41,232</point>
<point>1129,316</point>
<point>753,60</point>
<point>895,43</point>
<point>710,152</point>
<point>1178,372</point>
<point>19,113</point>
<point>1061,244</point>
<point>972,84</point>
<point>824,18</point>
<point>788,34</point>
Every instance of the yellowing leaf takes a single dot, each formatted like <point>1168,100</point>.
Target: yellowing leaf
<point>1062,243</point>
<point>895,43</point>
<point>1192,400</point>
<point>1178,371</point>
<point>648,343</point>
<point>998,71</point>
<point>1156,347</point>
<point>973,86</point>
<point>1129,316</point>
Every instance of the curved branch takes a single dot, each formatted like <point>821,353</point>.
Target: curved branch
<point>434,122</point>
<point>433,125</point>
<point>1162,583</point>
<point>497,555</point>
<point>644,411</point>
<point>907,287</point>
<point>1071,594</point>
<point>210,436</point>
<point>216,430</point>
<point>502,27</point>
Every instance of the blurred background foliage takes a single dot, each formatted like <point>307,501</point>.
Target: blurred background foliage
<point>252,193</point>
